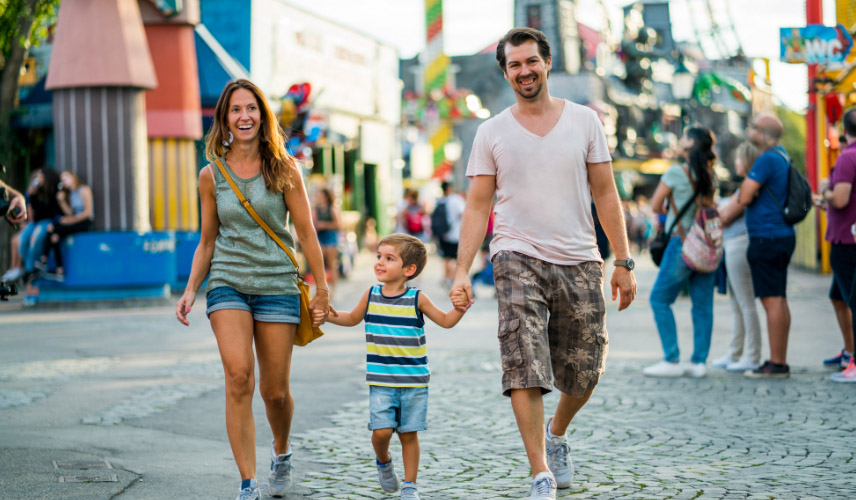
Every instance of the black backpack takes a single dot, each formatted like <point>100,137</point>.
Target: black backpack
<point>798,199</point>
<point>440,220</point>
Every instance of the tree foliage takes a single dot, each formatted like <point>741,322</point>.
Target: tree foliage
<point>22,24</point>
<point>793,138</point>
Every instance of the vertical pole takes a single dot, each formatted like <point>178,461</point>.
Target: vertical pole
<point>813,15</point>
<point>815,134</point>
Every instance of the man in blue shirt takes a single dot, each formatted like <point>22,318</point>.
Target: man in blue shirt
<point>771,239</point>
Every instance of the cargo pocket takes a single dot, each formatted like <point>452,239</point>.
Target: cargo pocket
<point>510,346</point>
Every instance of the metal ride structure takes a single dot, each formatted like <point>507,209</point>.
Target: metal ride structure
<point>717,29</point>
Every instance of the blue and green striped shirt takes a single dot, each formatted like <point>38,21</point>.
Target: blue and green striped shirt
<point>395,340</point>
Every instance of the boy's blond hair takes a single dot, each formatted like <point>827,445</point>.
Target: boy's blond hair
<point>411,249</point>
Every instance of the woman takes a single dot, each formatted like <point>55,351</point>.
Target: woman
<point>680,184</point>
<point>75,200</point>
<point>252,286</point>
<point>741,293</point>
<point>42,207</point>
<point>326,218</point>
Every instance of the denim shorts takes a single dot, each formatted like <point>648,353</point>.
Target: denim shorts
<point>267,308</point>
<point>403,409</point>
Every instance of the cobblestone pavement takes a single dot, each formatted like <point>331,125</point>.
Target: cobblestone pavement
<point>148,397</point>
<point>719,437</point>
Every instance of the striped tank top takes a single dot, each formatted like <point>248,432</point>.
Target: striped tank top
<point>395,340</point>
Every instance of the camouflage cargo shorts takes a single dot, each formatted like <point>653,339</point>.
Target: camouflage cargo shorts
<point>551,324</point>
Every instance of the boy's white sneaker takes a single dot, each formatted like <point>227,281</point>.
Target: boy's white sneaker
<point>387,477</point>
<point>723,362</point>
<point>742,366</point>
<point>559,457</point>
<point>697,370</point>
<point>280,473</point>
<point>543,487</point>
<point>665,369</point>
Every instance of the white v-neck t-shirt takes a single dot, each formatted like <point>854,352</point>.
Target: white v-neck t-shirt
<point>543,206</point>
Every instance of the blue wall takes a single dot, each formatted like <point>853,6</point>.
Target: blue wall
<point>229,22</point>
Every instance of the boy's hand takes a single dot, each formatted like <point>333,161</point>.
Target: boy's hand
<point>318,317</point>
<point>460,299</point>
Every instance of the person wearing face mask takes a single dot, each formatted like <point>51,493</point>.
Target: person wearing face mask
<point>252,294</point>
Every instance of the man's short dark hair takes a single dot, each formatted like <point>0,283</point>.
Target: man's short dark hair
<point>850,122</point>
<point>445,185</point>
<point>517,37</point>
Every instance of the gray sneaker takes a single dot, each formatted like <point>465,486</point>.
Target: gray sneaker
<point>409,492</point>
<point>543,487</point>
<point>251,493</point>
<point>559,458</point>
<point>279,478</point>
<point>387,477</point>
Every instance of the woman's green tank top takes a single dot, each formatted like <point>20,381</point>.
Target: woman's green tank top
<point>245,257</point>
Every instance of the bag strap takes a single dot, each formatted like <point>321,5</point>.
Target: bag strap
<point>246,203</point>
<point>679,215</point>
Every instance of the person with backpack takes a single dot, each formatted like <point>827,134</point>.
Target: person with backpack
<point>688,188</point>
<point>411,217</point>
<point>772,239</point>
<point>446,227</point>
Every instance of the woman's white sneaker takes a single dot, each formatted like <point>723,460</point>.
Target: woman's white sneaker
<point>697,370</point>
<point>665,369</point>
<point>742,366</point>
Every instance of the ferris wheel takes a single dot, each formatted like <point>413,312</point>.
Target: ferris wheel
<point>713,25</point>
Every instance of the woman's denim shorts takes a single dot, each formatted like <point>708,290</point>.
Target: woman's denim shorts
<point>268,308</point>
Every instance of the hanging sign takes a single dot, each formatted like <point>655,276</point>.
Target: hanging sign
<point>815,44</point>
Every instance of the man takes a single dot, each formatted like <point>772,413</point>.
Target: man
<point>771,239</point>
<point>453,210</point>
<point>838,194</point>
<point>545,158</point>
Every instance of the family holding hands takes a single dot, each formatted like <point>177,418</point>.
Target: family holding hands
<point>540,163</point>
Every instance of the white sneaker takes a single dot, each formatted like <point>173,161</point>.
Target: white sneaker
<point>697,370</point>
<point>543,487</point>
<point>665,369</point>
<point>847,376</point>
<point>724,361</point>
<point>742,366</point>
<point>13,274</point>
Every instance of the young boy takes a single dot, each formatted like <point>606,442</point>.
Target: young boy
<point>396,364</point>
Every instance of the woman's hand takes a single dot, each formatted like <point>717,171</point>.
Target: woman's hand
<point>319,306</point>
<point>182,309</point>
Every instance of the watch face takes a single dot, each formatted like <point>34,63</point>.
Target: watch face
<point>630,264</point>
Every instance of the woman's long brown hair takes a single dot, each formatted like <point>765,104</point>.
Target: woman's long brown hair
<point>276,162</point>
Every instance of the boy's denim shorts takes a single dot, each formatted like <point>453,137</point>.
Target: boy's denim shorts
<point>403,409</point>
<point>267,308</point>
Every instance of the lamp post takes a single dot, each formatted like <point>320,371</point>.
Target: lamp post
<point>682,89</point>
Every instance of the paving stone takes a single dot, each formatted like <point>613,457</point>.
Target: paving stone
<point>722,437</point>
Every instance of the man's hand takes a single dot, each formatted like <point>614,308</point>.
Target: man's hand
<point>17,206</point>
<point>462,293</point>
<point>624,283</point>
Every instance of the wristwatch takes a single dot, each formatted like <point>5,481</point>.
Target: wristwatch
<point>628,263</point>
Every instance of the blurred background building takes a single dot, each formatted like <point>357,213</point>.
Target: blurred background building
<point>126,105</point>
